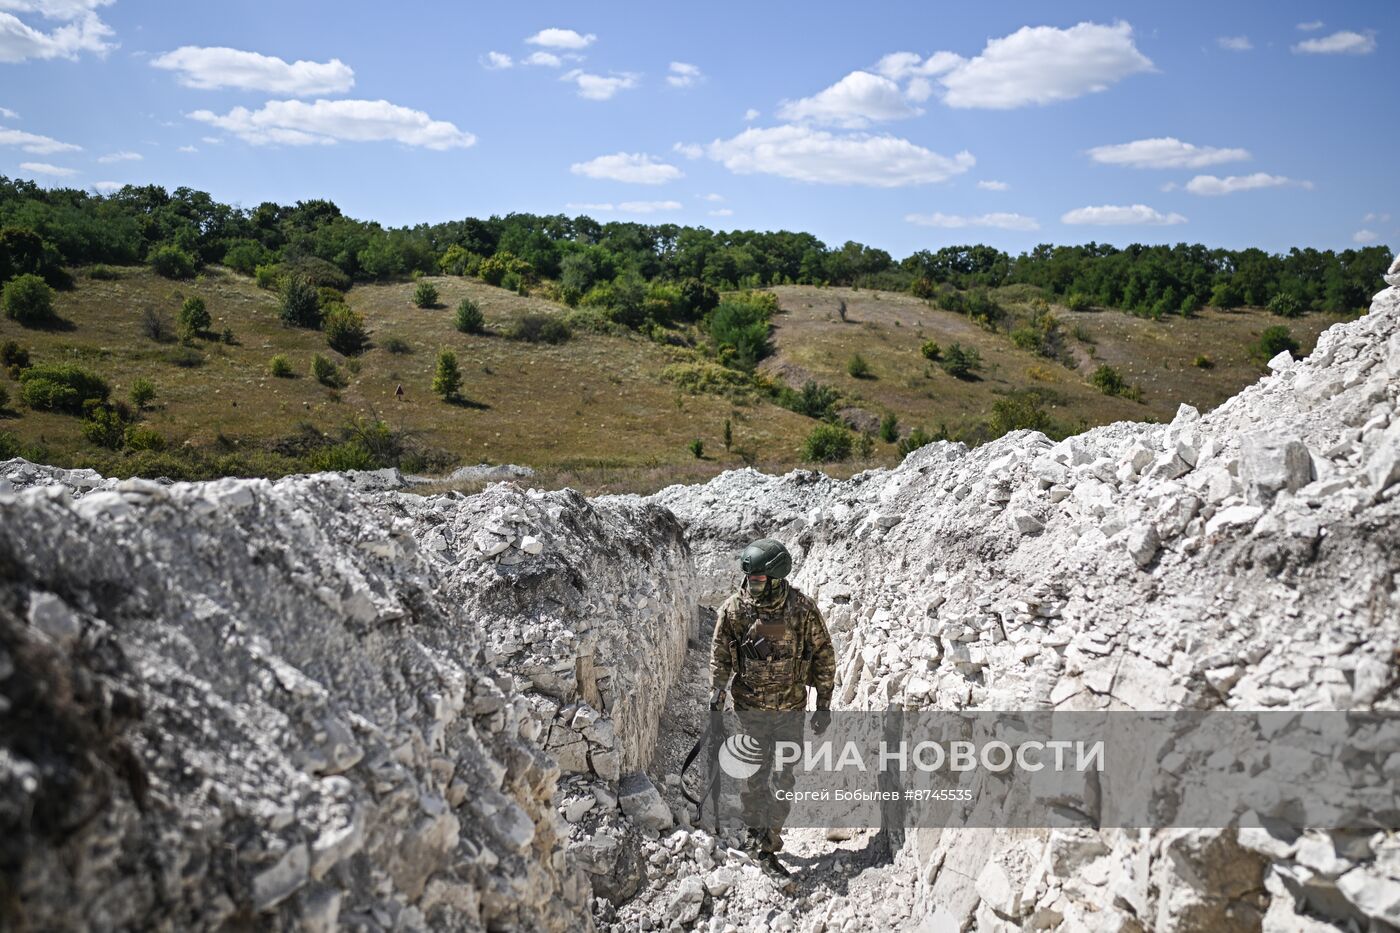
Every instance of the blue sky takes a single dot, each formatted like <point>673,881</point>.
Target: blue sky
<point>1233,124</point>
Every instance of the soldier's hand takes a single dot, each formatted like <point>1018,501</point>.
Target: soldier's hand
<point>820,720</point>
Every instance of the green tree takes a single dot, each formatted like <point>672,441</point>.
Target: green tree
<point>739,331</point>
<point>728,434</point>
<point>172,262</point>
<point>827,443</point>
<point>105,427</point>
<point>858,368</point>
<point>447,380</point>
<point>28,301</point>
<point>697,449</point>
<point>345,330</point>
<point>425,295</point>
<point>143,392</point>
<point>61,387</point>
<point>889,428</point>
<point>469,319</point>
<point>539,328</point>
<point>194,316</point>
<point>1286,304</point>
<point>930,350</point>
<point>917,438</point>
<point>280,366</point>
<point>326,372</point>
<point>961,362</point>
<point>1273,341</point>
<point>1108,380</point>
<point>299,306</point>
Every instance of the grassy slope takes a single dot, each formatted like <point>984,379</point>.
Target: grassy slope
<point>592,412</point>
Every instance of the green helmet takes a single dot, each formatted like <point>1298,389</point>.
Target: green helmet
<point>767,557</point>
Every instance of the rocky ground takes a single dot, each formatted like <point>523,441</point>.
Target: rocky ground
<point>324,702</point>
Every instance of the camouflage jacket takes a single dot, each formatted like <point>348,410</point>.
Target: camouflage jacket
<point>801,653</point>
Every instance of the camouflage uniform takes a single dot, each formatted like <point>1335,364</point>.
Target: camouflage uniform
<point>802,656</point>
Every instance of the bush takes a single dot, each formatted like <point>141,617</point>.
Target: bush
<point>143,392</point>
<point>268,275</point>
<point>815,399</point>
<point>827,443</point>
<point>425,295</point>
<point>917,438</point>
<point>1285,304</point>
<point>889,428</point>
<point>697,448</point>
<point>14,358</point>
<point>61,387</point>
<point>1273,341</point>
<point>397,345</point>
<point>140,437</point>
<point>28,301</point>
<point>281,367</point>
<point>1022,410</point>
<point>184,357</point>
<point>1108,380</point>
<point>299,304</point>
<point>1203,362</point>
<point>1026,338</point>
<point>728,434</point>
<point>961,362</point>
<point>157,326</point>
<point>326,373</point>
<point>345,330</point>
<point>447,380</point>
<point>4,397</point>
<point>739,331</point>
<point>327,296</point>
<point>319,272</point>
<point>930,350</point>
<point>245,256</point>
<point>1077,301</point>
<point>459,261</point>
<point>539,328</point>
<point>495,269</point>
<point>858,368</point>
<point>172,262</point>
<point>469,319</point>
<point>105,428</point>
<point>103,273</point>
<point>194,316</point>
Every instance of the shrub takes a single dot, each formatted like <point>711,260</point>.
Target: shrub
<point>326,373</point>
<point>281,367</point>
<point>697,449</point>
<point>318,272</point>
<point>184,357</point>
<point>14,358</point>
<point>345,330</point>
<point>1203,362</point>
<point>858,368</point>
<point>340,457</point>
<point>327,296</point>
<point>469,319</point>
<point>494,270</point>
<point>930,350</point>
<point>194,316</point>
<point>1108,380</point>
<point>61,387</point>
<point>172,262</point>
<point>5,398</point>
<point>1225,295</point>
<point>459,261</point>
<point>539,328</point>
<point>741,329</point>
<point>961,362</point>
<point>1023,410</point>
<point>917,438</point>
<point>889,428</point>
<point>1077,301</point>
<point>141,437</point>
<point>299,304</point>
<point>728,434</point>
<point>827,443</point>
<point>1273,341</point>
<point>425,295</point>
<point>103,273</point>
<point>447,380</point>
<point>143,392</point>
<point>1286,304</point>
<point>245,256</point>
<point>1026,338</point>
<point>105,428</point>
<point>268,275</point>
<point>397,345</point>
<point>28,300</point>
<point>815,399</point>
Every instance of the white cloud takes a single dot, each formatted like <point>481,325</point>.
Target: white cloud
<point>1365,236</point>
<point>82,30</point>
<point>714,198</point>
<point>561,39</point>
<point>188,149</point>
<point>635,168</point>
<point>806,154</point>
<point>106,187</point>
<point>1382,218</point>
<point>1113,215</point>
<point>599,87</point>
<point>721,212</point>
<point>1235,43</point>
<point>750,115</point>
<point>123,156</point>
<point>543,59</point>
<point>684,75</point>
<point>1042,64</point>
<point>495,61</point>
<point>1345,42</point>
<point>627,207</point>
<point>689,150</point>
<point>898,66</point>
<point>34,143</point>
<point>1213,185</point>
<point>217,67</point>
<point>8,114</point>
<point>44,168</point>
<point>990,185</point>
<point>855,101</point>
<point>1001,221</point>
<point>299,123</point>
<point>211,140</point>
<point>1164,152</point>
<point>1312,26</point>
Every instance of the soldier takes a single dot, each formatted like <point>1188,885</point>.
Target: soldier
<point>771,638</point>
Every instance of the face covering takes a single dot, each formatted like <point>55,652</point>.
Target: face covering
<point>756,588</point>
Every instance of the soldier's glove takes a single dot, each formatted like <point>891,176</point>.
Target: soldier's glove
<point>820,720</point>
<point>717,699</point>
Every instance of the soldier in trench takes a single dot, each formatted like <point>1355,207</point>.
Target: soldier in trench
<point>771,639</point>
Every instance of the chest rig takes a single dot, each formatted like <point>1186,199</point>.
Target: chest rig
<point>770,653</point>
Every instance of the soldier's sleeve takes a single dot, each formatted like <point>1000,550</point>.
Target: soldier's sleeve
<point>723,650</point>
<point>823,669</point>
